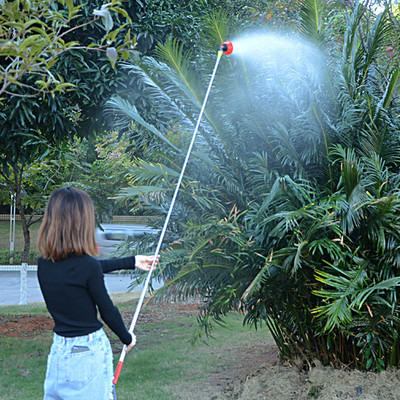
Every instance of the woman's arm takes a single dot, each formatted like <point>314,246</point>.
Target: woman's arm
<point>117,264</point>
<point>108,311</point>
<point>140,262</point>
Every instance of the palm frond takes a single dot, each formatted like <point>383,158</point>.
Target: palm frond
<point>311,19</point>
<point>218,29</point>
<point>123,107</point>
<point>375,40</point>
<point>351,40</point>
<point>390,90</point>
<point>181,74</point>
<point>344,284</point>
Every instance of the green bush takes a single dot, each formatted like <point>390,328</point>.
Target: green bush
<point>15,257</point>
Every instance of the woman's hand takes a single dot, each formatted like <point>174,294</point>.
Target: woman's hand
<point>130,346</point>
<point>144,262</point>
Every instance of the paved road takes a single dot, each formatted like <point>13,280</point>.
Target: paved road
<point>10,286</point>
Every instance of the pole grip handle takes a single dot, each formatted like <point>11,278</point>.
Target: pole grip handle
<point>117,372</point>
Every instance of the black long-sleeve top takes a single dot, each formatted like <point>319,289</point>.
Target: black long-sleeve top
<point>74,290</point>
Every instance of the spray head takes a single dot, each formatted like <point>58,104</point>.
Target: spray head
<point>226,47</point>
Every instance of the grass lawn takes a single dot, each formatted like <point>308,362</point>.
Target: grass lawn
<point>162,361</point>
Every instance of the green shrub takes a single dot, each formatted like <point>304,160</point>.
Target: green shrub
<point>15,257</point>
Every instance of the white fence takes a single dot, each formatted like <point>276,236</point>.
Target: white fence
<point>17,267</point>
<point>23,269</point>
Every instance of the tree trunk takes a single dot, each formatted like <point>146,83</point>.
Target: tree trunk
<point>24,224</point>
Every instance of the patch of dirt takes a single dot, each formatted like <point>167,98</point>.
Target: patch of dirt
<point>161,311</point>
<point>24,325</point>
<point>286,382</point>
<point>243,362</point>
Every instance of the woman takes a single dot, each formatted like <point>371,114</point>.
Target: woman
<point>80,363</point>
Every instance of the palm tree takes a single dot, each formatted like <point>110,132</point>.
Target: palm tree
<point>288,209</point>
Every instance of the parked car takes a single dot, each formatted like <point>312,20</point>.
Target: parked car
<point>110,236</point>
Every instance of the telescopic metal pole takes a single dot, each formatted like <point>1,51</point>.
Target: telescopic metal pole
<point>146,284</point>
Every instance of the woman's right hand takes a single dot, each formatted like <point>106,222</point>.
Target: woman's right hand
<point>130,346</point>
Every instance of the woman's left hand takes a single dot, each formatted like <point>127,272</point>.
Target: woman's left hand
<point>144,262</point>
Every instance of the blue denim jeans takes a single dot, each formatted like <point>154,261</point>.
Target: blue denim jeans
<point>79,368</point>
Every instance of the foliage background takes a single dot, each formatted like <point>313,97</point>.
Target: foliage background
<point>289,208</point>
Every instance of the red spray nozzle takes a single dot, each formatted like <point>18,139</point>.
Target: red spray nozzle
<point>227,47</point>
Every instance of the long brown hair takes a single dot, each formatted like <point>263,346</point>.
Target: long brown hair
<point>68,225</point>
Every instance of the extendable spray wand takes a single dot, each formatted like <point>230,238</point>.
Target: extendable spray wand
<point>225,48</point>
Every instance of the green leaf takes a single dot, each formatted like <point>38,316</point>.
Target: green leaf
<point>390,88</point>
<point>123,106</point>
